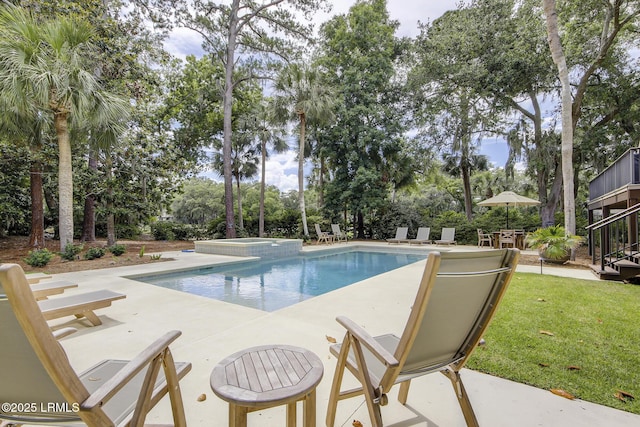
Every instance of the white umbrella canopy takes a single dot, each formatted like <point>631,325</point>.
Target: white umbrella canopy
<point>509,198</point>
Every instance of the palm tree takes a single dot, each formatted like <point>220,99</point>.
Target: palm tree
<point>46,69</point>
<point>266,133</point>
<point>302,95</point>
<point>244,161</point>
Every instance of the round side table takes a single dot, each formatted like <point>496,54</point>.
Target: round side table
<point>268,376</point>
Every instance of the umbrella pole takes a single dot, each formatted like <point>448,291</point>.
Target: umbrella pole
<point>507,216</point>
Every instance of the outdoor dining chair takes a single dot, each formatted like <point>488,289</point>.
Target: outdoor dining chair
<point>507,238</point>
<point>484,238</point>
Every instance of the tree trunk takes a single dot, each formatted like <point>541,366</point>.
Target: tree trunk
<point>65,180</point>
<point>227,104</point>
<point>548,210</point>
<point>240,219</point>
<point>360,222</point>
<point>466,185</point>
<point>111,221</point>
<point>36,237</point>
<point>111,224</point>
<point>51,201</point>
<point>89,218</point>
<point>549,202</point>
<point>303,212</point>
<point>263,147</point>
<point>465,141</point>
<point>321,183</point>
<point>567,119</point>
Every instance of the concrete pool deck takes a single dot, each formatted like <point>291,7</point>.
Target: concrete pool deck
<point>212,330</point>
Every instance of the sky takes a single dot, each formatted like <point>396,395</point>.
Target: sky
<point>282,169</point>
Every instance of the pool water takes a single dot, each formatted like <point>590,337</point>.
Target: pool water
<point>273,284</point>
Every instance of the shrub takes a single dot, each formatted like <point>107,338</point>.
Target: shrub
<point>94,253</point>
<point>167,230</point>
<point>128,231</point>
<point>181,231</point>
<point>38,257</point>
<point>163,230</point>
<point>71,251</point>
<point>117,249</point>
<point>553,243</point>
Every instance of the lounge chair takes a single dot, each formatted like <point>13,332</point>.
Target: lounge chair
<point>323,236</point>
<point>51,287</point>
<point>484,238</point>
<point>422,237</point>
<point>456,299</point>
<point>401,236</point>
<point>79,305</point>
<point>447,237</point>
<point>34,278</point>
<point>338,235</point>
<point>37,374</point>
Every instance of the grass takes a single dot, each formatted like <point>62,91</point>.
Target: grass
<point>593,352</point>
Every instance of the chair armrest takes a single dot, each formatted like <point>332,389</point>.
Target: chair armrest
<point>381,353</point>
<point>107,390</point>
<point>61,333</point>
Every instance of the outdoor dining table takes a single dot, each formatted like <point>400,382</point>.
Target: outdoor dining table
<point>519,239</point>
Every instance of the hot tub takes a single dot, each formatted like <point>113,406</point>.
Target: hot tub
<point>252,246</point>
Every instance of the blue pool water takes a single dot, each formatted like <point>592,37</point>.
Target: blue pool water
<point>273,284</point>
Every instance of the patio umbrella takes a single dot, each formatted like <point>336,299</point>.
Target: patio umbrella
<point>508,198</point>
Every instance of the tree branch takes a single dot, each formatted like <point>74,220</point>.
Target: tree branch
<point>249,16</point>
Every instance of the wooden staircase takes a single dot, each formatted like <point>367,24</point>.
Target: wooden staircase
<point>614,245</point>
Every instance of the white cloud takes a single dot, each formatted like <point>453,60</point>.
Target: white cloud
<point>282,171</point>
<point>182,42</point>
<point>408,13</point>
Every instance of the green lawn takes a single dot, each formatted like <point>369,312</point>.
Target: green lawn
<point>594,351</point>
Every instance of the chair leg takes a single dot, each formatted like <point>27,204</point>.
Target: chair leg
<point>143,405</point>
<point>403,393</point>
<point>463,397</point>
<point>173,387</point>
<point>337,382</point>
<point>371,394</point>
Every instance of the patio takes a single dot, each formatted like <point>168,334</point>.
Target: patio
<point>213,330</point>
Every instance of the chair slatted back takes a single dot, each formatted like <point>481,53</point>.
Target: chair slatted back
<point>401,233</point>
<point>448,234</point>
<point>423,233</point>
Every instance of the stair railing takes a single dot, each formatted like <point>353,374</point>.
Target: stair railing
<point>614,236</point>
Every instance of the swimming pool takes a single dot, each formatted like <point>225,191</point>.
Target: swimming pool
<point>270,285</point>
